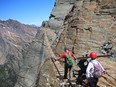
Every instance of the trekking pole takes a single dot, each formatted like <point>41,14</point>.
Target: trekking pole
<point>84,58</point>
<point>110,76</point>
<point>57,68</point>
<point>106,68</point>
<point>104,55</point>
<point>58,72</point>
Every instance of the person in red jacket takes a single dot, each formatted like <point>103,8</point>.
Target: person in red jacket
<point>66,65</point>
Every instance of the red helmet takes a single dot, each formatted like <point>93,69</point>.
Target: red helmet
<point>93,55</point>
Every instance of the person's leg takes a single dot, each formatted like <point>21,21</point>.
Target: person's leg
<point>96,81</point>
<point>69,68</point>
<point>79,77</point>
<point>65,71</point>
<point>92,82</point>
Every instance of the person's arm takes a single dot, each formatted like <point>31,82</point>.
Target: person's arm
<point>102,68</point>
<point>89,70</point>
<point>61,56</point>
<point>73,56</point>
<point>58,58</point>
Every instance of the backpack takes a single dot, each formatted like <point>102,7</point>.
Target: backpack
<point>69,59</point>
<point>98,70</point>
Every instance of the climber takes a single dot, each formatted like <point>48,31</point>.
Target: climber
<point>81,74</point>
<point>82,64</point>
<point>67,64</point>
<point>94,70</point>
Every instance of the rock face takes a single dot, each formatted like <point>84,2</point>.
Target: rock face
<point>85,25</point>
<point>34,56</point>
<point>88,25</point>
<point>61,9</point>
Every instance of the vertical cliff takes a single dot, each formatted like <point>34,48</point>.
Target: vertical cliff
<point>85,25</point>
<point>88,25</point>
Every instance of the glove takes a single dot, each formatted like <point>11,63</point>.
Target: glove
<point>55,59</point>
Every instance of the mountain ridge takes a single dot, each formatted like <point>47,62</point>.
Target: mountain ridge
<point>14,36</point>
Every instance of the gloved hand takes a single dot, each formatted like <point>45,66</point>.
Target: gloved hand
<point>54,59</point>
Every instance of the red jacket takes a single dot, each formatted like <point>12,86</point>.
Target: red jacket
<point>64,55</point>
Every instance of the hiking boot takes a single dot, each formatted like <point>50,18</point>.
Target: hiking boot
<point>65,78</point>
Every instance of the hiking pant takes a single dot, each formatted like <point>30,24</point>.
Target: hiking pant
<point>81,77</point>
<point>66,69</point>
<point>93,81</point>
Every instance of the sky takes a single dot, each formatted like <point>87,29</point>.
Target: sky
<point>26,11</point>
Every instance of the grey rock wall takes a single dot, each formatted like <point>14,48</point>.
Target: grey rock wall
<point>59,12</point>
<point>34,56</point>
<point>88,25</point>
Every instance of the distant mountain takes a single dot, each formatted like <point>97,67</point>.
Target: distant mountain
<point>16,33</point>
<point>32,25</point>
<point>14,36</point>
